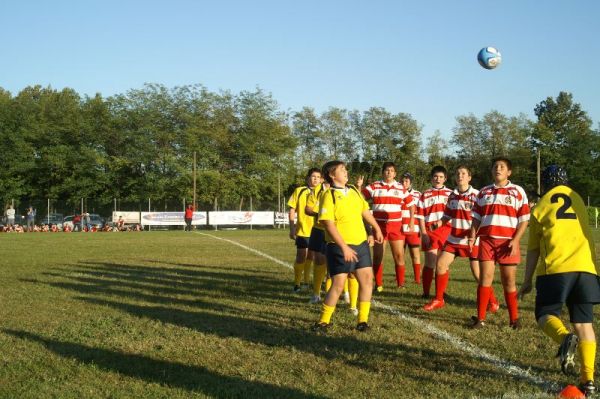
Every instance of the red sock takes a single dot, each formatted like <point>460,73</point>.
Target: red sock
<point>483,297</point>
<point>493,298</point>
<point>378,271</point>
<point>441,282</point>
<point>512,305</point>
<point>400,272</point>
<point>417,270</point>
<point>427,279</point>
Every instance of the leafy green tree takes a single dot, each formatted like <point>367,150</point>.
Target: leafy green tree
<point>563,134</point>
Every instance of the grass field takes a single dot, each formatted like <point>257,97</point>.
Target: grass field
<point>179,315</point>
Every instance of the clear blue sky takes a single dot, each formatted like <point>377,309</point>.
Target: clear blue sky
<point>417,57</point>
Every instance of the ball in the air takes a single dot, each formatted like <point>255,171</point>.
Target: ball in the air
<point>489,57</point>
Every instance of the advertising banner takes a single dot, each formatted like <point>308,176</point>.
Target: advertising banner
<point>240,218</point>
<point>171,219</point>
<point>128,217</point>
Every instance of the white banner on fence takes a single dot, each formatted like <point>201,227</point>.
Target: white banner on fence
<point>171,219</point>
<point>128,217</point>
<point>282,218</point>
<point>240,218</point>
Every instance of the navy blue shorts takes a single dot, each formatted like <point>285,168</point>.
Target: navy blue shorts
<point>301,242</point>
<point>578,290</point>
<point>316,242</point>
<point>336,263</point>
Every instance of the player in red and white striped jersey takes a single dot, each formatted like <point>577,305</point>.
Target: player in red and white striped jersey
<point>412,237</point>
<point>430,210</point>
<point>458,214</point>
<point>388,197</point>
<point>500,218</point>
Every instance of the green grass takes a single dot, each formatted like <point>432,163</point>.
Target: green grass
<point>179,315</point>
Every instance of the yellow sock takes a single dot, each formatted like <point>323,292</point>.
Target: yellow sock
<point>298,269</point>
<point>328,284</point>
<point>346,285</point>
<point>318,276</point>
<point>307,270</point>
<point>587,354</point>
<point>326,313</point>
<point>353,289</point>
<point>363,311</point>
<point>555,329</point>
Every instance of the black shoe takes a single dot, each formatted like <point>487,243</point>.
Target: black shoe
<point>515,325</point>
<point>297,288</point>
<point>566,353</point>
<point>362,327</point>
<point>425,296</point>
<point>476,323</point>
<point>320,327</point>
<point>588,388</point>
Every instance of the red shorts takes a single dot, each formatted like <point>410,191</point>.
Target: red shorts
<point>437,238</point>
<point>497,250</point>
<point>462,251</point>
<point>413,240</point>
<point>392,231</point>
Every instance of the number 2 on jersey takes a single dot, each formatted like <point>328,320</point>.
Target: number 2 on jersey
<point>562,213</point>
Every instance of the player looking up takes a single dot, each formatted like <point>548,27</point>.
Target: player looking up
<point>300,232</point>
<point>458,214</point>
<point>431,209</point>
<point>561,252</point>
<point>342,211</point>
<point>316,242</point>
<point>500,218</point>
<point>388,198</point>
<point>412,238</point>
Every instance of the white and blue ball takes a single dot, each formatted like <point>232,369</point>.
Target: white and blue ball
<point>489,57</point>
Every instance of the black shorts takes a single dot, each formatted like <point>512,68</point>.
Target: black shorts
<point>578,290</point>
<point>301,242</point>
<point>316,242</point>
<point>336,263</point>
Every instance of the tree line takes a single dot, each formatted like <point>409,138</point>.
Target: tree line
<point>63,146</point>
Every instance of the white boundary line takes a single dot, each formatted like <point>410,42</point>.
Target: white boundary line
<point>466,347</point>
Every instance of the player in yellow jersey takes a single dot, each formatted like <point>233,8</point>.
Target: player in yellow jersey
<point>342,211</point>
<point>561,253</point>
<point>316,241</point>
<point>300,230</point>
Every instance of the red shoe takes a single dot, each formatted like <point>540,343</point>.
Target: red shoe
<point>433,305</point>
<point>493,307</point>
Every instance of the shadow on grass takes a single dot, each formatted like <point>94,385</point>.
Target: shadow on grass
<point>179,281</point>
<point>122,282</point>
<point>192,378</point>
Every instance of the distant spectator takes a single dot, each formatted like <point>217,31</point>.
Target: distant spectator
<point>120,223</point>
<point>77,223</point>
<point>85,218</point>
<point>10,216</point>
<point>188,217</point>
<point>19,229</point>
<point>30,218</point>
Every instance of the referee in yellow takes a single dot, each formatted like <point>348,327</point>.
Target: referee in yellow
<point>342,210</point>
<point>560,239</point>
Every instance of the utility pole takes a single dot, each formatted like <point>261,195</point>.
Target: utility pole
<point>539,184</point>
<point>194,171</point>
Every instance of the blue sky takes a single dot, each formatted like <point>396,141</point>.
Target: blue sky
<point>416,57</point>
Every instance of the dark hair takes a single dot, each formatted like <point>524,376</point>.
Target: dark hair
<point>438,169</point>
<point>387,165</point>
<point>328,168</point>
<point>465,167</point>
<point>407,175</point>
<point>311,171</point>
<point>502,159</point>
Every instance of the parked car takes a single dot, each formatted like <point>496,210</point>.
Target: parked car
<point>53,219</point>
<point>95,220</point>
